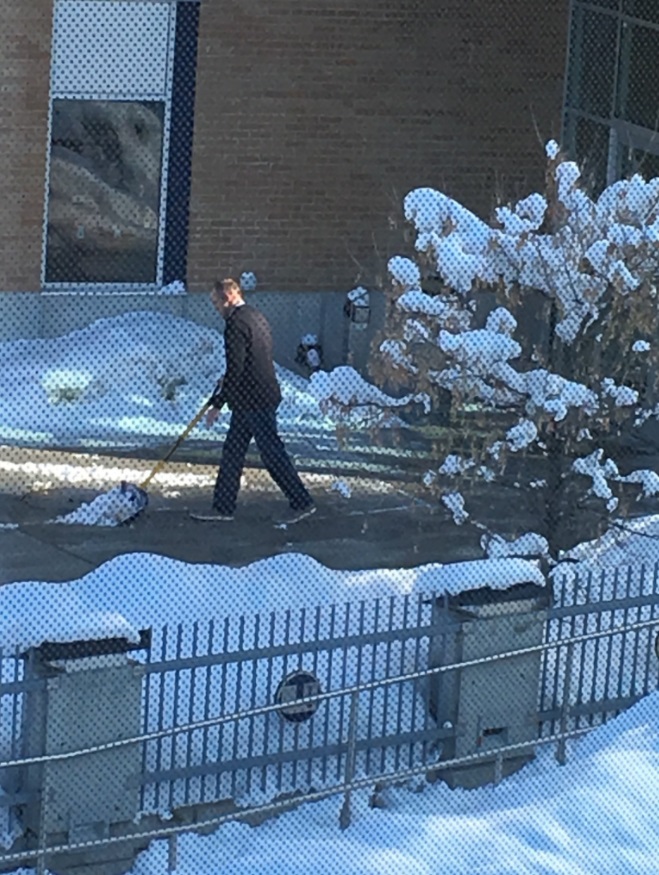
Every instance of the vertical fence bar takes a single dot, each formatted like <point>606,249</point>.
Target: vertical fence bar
<point>252,698</point>
<point>387,671</point>
<point>174,742</point>
<point>401,671</point>
<point>624,639</point>
<point>237,724</point>
<point>374,674</point>
<point>312,723</point>
<point>223,700</point>
<point>361,647</point>
<point>584,647</point>
<point>330,704</point>
<point>609,648</point>
<point>561,753</point>
<point>344,651</point>
<point>266,731</point>
<point>345,815</point>
<point>208,677</point>
<point>18,675</point>
<point>162,675</point>
<point>282,721</point>
<point>596,657</point>
<point>650,650</point>
<point>415,685</point>
<point>297,729</point>
<point>172,853</point>
<point>634,686</point>
<point>427,685</point>
<point>191,710</point>
<point>557,662</point>
<point>146,699</point>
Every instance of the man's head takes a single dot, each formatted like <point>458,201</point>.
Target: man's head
<point>226,295</point>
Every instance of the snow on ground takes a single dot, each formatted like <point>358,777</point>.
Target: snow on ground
<point>143,589</point>
<point>598,814</point>
<point>124,379</point>
<point>626,542</point>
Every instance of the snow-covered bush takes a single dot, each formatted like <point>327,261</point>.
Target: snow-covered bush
<point>542,327</point>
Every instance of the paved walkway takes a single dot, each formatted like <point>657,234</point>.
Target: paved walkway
<point>380,525</point>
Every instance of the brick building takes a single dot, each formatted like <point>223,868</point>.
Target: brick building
<point>147,141</point>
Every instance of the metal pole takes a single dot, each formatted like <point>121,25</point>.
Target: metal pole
<point>498,768</point>
<point>561,752</point>
<point>345,816</point>
<point>172,855</point>
<point>41,838</point>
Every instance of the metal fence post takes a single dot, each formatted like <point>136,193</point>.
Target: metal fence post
<point>41,838</point>
<point>345,816</point>
<point>561,752</point>
<point>172,853</point>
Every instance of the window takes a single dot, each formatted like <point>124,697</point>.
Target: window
<point>647,10</point>
<point>639,161</point>
<point>104,194</point>
<point>110,109</point>
<point>592,75</point>
<point>638,93</point>
<point>612,89</point>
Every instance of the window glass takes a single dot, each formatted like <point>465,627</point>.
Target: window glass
<point>638,91</point>
<point>103,205</point>
<point>591,146</point>
<point>109,46</point>
<point>592,62</point>
<point>648,10</point>
<point>639,161</point>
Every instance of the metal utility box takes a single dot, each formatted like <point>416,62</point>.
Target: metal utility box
<point>494,703</point>
<point>91,696</point>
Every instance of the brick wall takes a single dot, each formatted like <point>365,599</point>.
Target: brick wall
<point>25,33</point>
<point>315,118</point>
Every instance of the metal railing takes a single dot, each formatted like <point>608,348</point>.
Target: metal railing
<point>220,728</point>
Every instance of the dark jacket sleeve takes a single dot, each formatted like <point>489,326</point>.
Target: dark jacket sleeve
<point>236,340</point>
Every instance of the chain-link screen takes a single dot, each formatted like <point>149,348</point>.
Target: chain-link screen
<point>328,429</point>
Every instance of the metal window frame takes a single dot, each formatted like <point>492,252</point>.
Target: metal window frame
<point>622,134</point>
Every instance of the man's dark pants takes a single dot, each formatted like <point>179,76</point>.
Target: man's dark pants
<point>262,426</point>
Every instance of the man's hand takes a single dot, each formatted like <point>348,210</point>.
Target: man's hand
<point>211,416</point>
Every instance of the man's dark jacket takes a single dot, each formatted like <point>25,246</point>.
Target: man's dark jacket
<point>250,382</point>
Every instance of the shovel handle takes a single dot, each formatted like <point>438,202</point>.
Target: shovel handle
<point>159,465</point>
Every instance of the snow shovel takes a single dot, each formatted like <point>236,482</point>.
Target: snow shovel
<point>134,499</point>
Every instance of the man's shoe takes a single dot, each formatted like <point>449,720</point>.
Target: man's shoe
<point>294,516</point>
<point>213,517</point>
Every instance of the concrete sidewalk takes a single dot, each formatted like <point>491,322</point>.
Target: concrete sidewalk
<point>379,526</point>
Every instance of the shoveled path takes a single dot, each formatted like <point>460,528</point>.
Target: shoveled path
<point>380,525</point>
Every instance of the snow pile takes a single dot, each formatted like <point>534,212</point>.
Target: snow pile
<point>113,508</point>
<point>248,281</point>
<point>631,541</point>
<point>31,613</point>
<point>174,288</point>
<point>137,377</point>
<point>342,488</point>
